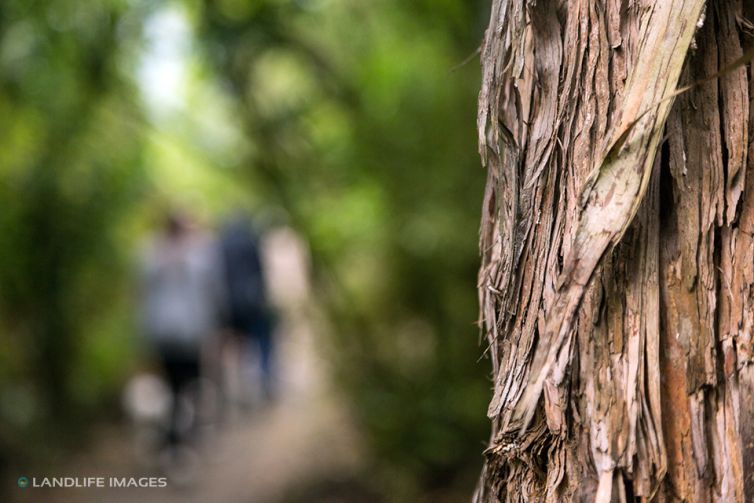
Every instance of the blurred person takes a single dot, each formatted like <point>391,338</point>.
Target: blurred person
<point>181,302</point>
<point>250,318</point>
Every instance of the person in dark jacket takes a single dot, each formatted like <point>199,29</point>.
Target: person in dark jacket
<point>249,313</point>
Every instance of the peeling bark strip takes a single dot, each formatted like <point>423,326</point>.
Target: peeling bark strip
<point>617,239</point>
<point>616,187</point>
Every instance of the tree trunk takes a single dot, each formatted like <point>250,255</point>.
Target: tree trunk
<point>617,241</point>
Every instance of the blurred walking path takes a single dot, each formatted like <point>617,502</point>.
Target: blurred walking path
<point>304,437</point>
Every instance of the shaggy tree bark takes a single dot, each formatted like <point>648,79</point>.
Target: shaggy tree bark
<point>617,241</point>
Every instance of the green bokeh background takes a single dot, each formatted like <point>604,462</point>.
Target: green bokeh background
<point>352,119</point>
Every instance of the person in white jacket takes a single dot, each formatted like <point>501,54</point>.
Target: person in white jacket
<point>181,305</point>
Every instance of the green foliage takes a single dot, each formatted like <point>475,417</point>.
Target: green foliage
<point>70,166</point>
<point>363,130</point>
<point>349,114</point>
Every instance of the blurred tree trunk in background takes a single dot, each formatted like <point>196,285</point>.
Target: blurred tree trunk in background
<point>617,242</point>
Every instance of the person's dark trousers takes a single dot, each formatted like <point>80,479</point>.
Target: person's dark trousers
<point>181,369</point>
<point>261,338</point>
<point>264,344</point>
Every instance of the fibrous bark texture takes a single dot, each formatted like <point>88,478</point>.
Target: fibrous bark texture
<point>617,241</point>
